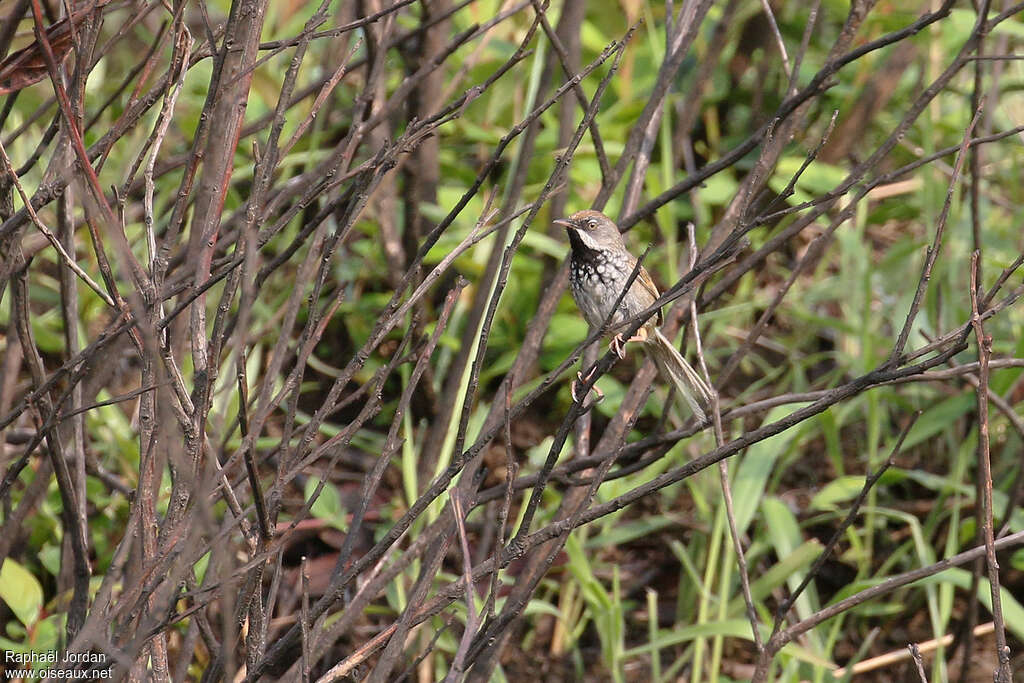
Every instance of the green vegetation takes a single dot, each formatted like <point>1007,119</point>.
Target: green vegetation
<point>284,337</point>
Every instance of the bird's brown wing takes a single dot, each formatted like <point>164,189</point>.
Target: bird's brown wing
<point>644,279</point>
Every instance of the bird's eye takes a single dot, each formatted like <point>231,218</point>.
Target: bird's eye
<point>592,223</point>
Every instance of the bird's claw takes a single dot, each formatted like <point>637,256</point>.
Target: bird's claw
<point>618,345</point>
<point>599,395</point>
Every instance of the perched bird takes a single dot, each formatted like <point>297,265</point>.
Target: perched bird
<point>600,267</point>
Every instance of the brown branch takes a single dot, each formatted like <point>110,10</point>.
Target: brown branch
<point>985,522</point>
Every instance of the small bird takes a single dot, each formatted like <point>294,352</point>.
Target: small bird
<point>599,268</point>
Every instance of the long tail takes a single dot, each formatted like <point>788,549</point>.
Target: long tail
<point>674,368</point>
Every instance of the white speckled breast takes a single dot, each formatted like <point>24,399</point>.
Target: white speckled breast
<point>595,282</point>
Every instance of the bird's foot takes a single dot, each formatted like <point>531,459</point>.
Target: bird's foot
<point>573,389</point>
<point>619,346</point>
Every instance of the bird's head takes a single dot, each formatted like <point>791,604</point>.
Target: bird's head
<point>591,230</point>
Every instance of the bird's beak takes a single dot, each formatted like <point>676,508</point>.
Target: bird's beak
<point>564,222</point>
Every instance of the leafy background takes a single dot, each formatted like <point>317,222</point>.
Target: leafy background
<point>651,591</point>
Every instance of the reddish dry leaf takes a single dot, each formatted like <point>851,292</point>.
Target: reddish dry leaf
<point>28,65</point>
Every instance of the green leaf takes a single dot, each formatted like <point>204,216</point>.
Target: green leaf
<point>629,531</point>
<point>719,189</point>
<point>962,22</point>
<point>938,418</point>
<point>49,557</point>
<point>757,466</point>
<point>1013,611</point>
<point>21,591</point>
<point>735,628</point>
<point>793,563</point>
<point>816,179</point>
<point>545,244</point>
<point>784,535</point>
<point>1017,560</point>
<point>536,607</point>
<point>838,491</point>
<point>328,505</point>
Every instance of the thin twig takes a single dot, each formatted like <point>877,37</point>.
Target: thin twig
<point>472,616</point>
<point>936,246</point>
<point>781,44</point>
<point>723,466</point>
<point>50,237</point>
<point>985,471</point>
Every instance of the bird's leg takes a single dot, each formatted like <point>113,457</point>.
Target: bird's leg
<point>580,378</point>
<point>619,346</point>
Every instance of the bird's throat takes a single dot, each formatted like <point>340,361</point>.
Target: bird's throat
<point>581,242</point>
